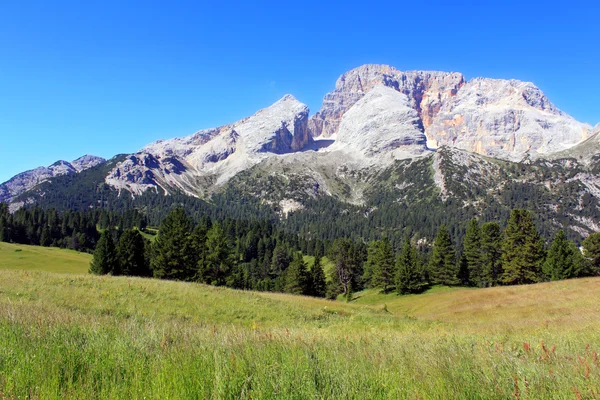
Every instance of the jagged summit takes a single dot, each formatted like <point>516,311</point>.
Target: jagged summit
<point>218,153</point>
<point>501,118</point>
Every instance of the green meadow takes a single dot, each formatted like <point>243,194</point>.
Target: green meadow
<point>87,337</point>
<point>37,258</point>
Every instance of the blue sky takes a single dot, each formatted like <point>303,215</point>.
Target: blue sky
<point>108,77</point>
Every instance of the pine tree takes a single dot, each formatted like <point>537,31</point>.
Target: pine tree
<point>46,238</point>
<point>564,259</point>
<point>297,277</point>
<point>280,260</point>
<point>463,274</point>
<point>218,261</point>
<point>4,237</point>
<point>523,250</point>
<point>131,251</point>
<point>369,267</point>
<point>317,278</point>
<point>442,265</point>
<point>383,265</point>
<point>491,254</point>
<point>105,260</point>
<point>409,271</point>
<point>173,248</point>
<point>473,256</point>
<point>591,252</point>
<point>344,271</point>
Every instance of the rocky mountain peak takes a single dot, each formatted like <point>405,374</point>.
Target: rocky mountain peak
<point>26,180</point>
<point>86,161</point>
<point>426,90</point>
<point>380,123</point>
<point>218,153</point>
<point>506,119</point>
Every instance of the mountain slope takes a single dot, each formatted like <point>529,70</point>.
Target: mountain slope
<point>389,153</point>
<point>24,181</point>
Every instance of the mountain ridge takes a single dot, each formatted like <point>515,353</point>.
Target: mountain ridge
<point>455,138</point>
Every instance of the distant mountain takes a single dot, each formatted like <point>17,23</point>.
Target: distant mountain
<point>386,146</point>
<point>26,180</point>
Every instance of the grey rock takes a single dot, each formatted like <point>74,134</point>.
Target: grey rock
<point>24,181</point>
<point>426,92</point>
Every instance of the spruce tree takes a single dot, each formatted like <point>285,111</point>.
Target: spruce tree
<point>105,260</point>
<point>383,265</point>
<point>317,278</point>
<point>591,252</point>
<point>173,248</point>
<point>218,261</point>
<point>131,251</point>
<point>297,277</point>
<point>4,237</point>
<point>564,259</point>
<point>523,250</point>
<point>473,255</point>
<point>442,265</point>
<point>369,267</point>
<point>344,271</point>
<point>463,274</point>
<point>409,272</point>
<point>491,254</point>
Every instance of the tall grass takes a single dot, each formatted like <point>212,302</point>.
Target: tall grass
<point>99,337</point>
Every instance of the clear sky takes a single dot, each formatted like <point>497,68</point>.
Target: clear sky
<point>107,77</point>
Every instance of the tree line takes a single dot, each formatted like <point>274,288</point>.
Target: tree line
<point>258,255</point>
<point>488,257</point>
<point>74,230</point>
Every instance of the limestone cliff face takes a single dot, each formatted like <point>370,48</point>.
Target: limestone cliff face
<point>506,119</point>
<point>426,92</point>
<point>380,123</point>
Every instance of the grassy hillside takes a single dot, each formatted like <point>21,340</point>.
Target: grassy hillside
<point>37,258</point>
<point>81,336</point>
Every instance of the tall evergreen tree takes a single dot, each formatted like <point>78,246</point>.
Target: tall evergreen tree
<point>409,270</point>
<point>523,250</point>
<point>218,261</point>
<point>280,260</point>
<point>173,248</point>
<point>345,269</point>
<point>297,278</point>
<point>105,260</point>
<point>317,278</point>
<point>131,251</point>
<point>4,237</point>
<point>383,265</point>
<point>46,238</point>
<point>564,259</point>
<point>491,254</point>
<point>442,265</point>
<point>591,252</point>
<point>473,255</point>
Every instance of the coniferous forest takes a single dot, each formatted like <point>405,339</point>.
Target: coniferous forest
<point>257,255</point>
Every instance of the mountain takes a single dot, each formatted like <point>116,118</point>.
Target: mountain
<point>24,181</point>
<point>389,152</point>
<point>506,119</point>
<point>195,163</point>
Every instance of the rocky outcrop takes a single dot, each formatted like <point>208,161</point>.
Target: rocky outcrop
<point>382,123</point>
<point>506,119</point>
<point>426,92</point>
<point>214,155</point>
<point>26,180</point>
<point>87,161</point>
